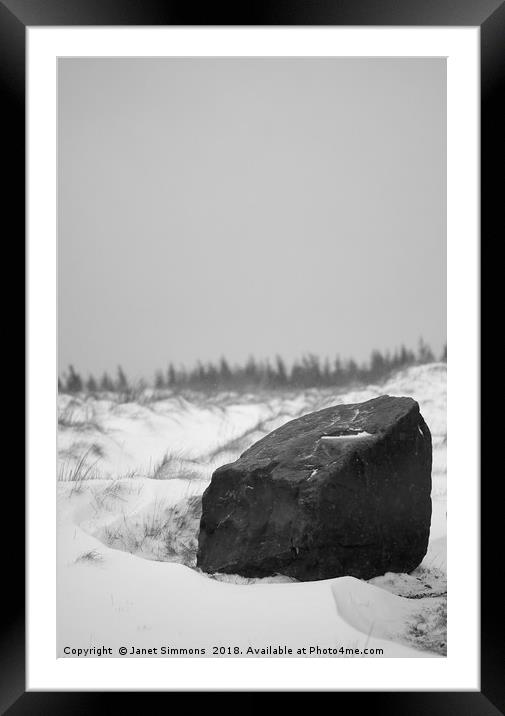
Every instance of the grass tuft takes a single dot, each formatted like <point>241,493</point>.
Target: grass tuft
<point>91,556</point>
<point>78,472</point>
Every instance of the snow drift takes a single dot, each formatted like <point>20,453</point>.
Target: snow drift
<point>130,482</point>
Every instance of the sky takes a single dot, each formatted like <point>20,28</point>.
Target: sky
<point>248,206</point>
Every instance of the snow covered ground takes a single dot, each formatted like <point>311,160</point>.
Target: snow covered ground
<point>130,481</point>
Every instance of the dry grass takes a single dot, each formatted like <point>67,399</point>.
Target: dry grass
<point>92,556</point>
<point>77,472</point>
<point>429,628</point>
<point>107,498</point>
<point>174,466</point>
<point>78,416</point>
<point>166,533</point>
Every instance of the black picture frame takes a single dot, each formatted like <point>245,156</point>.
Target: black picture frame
<point>15,17</point>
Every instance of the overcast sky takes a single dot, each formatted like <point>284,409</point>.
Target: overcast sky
<point>242,206</point>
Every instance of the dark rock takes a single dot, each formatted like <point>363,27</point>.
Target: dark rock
<point>342,491</point>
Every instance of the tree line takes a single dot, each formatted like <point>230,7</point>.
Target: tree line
<point>307,372</point>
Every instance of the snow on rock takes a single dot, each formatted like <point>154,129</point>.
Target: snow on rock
<point>350,436</point>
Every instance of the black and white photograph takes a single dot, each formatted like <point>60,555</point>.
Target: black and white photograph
<point>252,357</point>
<point>254,242</point>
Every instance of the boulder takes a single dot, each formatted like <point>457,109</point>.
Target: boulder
<point>341,491</point>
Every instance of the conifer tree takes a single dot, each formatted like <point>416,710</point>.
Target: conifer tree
<point>225,373</point>
<point>106,383</point>
<point>121,380</point>
<point>171,376</point>
<point>281,374</point>
<point>251,371</point>
<point>74,381</point>
<point>338,372</point>
<point>91,385</point>
<point>424,352</point>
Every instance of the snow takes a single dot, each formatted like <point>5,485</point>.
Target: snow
<point>130,482</point>
<point>350,436</point>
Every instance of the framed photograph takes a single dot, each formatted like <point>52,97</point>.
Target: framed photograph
<point>253,352</point>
